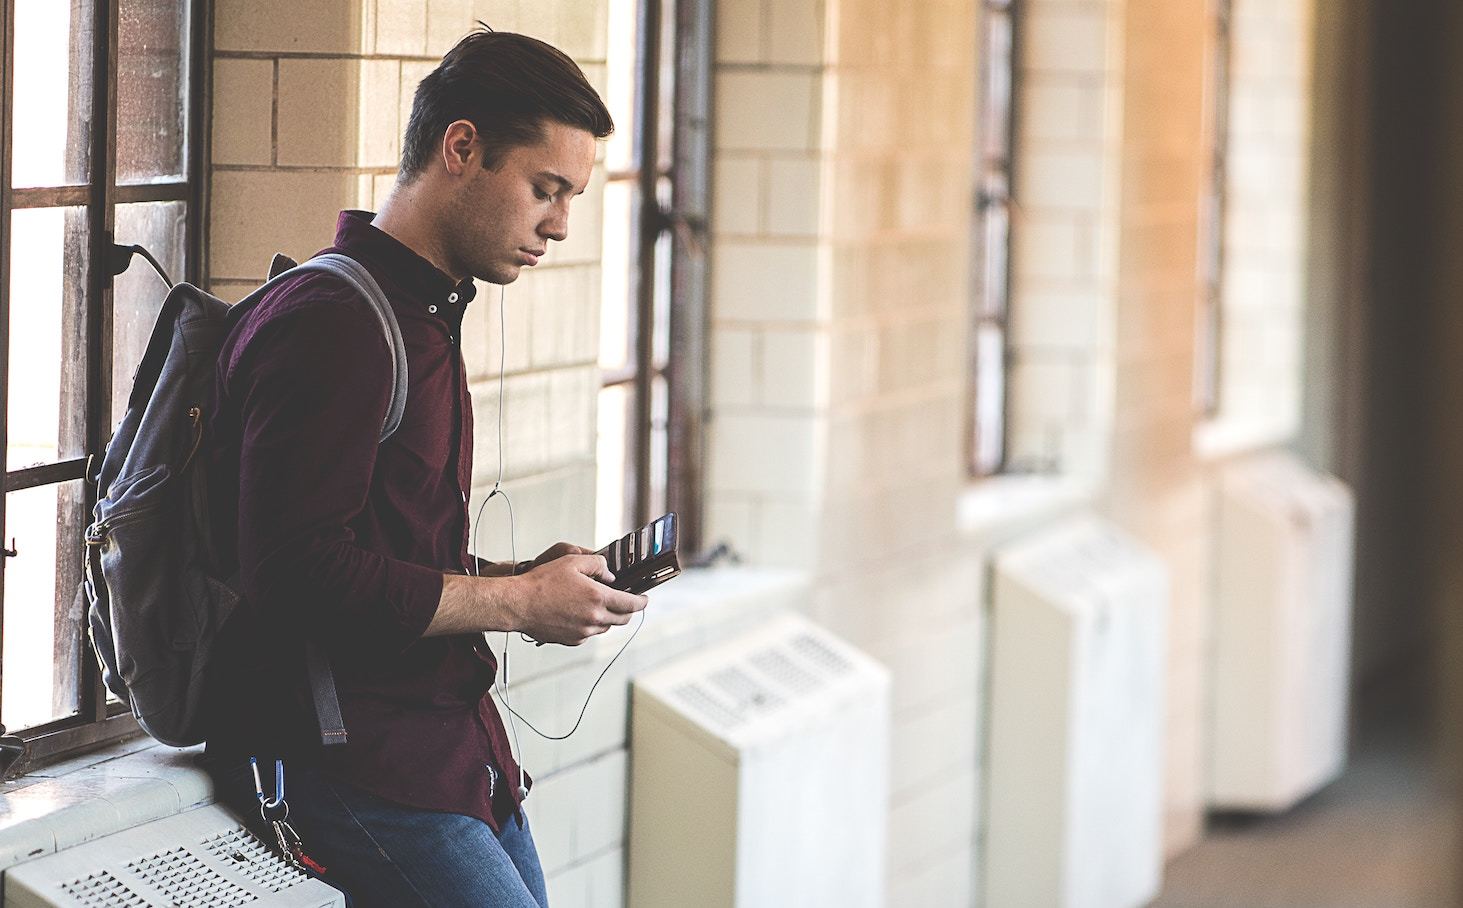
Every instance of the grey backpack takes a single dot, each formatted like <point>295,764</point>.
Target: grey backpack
<point>156,594</point>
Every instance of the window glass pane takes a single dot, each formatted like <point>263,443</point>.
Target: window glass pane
<point>152,78</point>
<point>620,93</point>
<point>995,256</point>
<point>990,398</point>
<point>43,621</point>
<point>138,293</point>
<point>659,444</point>
<point>612,517</point>
<point>660,336</point>
<point>52,112</point>
<point>666,90</point>
<point>996,120</point>
<point>46,416</point>
<point>617,263</point>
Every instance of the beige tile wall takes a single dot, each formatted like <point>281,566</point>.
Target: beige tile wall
<point>1155,487</point>
<point>840,217</point>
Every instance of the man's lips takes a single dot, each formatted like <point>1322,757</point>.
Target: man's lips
<point>530,257</point>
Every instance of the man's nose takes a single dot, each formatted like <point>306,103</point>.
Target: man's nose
<point>556,225</point>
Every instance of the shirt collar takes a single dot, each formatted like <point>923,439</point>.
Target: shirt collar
<point>417,281</point>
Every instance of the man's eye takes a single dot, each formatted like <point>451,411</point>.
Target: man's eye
<point>541,195</point>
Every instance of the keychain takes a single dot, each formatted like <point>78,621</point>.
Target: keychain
<point>275,811</point>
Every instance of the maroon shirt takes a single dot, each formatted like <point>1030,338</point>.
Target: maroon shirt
<point>345,540</point>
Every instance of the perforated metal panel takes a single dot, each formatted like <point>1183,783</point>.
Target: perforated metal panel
<point>102,890</point>
<point>765,681</point>
<point>253,859</point>
<point>200,859</point>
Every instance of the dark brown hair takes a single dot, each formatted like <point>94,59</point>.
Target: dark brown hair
<point>506,85</point>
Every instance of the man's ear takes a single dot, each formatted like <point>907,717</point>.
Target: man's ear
<point>460,147</point>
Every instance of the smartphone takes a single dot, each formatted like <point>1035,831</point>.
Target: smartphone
<point>645,558</point>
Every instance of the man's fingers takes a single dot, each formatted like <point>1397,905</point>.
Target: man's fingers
<point>625,604</point>
<point>593,565</point>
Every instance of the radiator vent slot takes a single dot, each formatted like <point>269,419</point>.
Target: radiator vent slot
<point>102,890</point>
<point>777,665</point>
<point>249,856</point>
<point>187,881</point>
<point>822,655</point>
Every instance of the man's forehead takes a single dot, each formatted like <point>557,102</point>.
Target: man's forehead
<point>564,155</point>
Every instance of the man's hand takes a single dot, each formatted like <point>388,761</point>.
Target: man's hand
<point>559,550</point>
<point>565,599</point>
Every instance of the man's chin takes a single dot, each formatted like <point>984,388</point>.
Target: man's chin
<point>504,275</point>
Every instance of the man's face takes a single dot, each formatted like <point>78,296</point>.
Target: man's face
<point>505,217</point>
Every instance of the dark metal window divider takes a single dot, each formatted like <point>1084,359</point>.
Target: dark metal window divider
<point>690,181</point>
<point>649,221</point>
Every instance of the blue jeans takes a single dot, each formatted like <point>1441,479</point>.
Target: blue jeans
<point>380,853</point>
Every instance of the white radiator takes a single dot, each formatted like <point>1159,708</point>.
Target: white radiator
<point>1282,633</point>
<point>759,775</point>
<point>202,857</point>
<point>1076,721</point>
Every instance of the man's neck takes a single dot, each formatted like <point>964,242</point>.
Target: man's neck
<point>403,218</point>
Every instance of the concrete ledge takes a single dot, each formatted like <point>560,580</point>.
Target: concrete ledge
<point>96,795</point>
<point>990,508</point>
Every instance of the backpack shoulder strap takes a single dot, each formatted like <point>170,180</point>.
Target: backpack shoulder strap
<point>317,664</point>
<point>355,274</point>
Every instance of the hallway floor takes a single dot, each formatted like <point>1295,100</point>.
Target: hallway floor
<point>1375,838</point>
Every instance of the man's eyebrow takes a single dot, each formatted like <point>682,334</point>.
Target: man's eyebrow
<point>564,182</point>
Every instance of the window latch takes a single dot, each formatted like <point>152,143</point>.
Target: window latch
<point>12,551</point>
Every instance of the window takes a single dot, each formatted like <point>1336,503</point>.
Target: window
<point>103,139</point>
<point>653,297</point>
<point>1211,224</point>
<point>992,239</point>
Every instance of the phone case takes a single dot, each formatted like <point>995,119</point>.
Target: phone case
<point>645,558</point>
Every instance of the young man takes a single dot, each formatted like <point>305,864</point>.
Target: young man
<point>363,547</point>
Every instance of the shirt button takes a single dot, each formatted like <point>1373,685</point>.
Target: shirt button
<point>432,309</point>
<point>452,297</point>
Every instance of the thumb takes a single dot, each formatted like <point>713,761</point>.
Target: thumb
<point>593,565</point>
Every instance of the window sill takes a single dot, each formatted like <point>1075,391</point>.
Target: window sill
<point>1000,504</point>
<point>1221,439</point>
<point>97,794</point>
